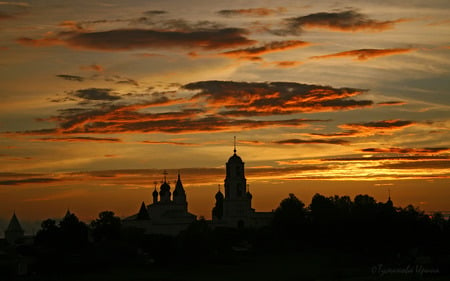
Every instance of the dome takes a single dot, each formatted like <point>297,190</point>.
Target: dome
<point>235,159</point>
<point>219,195</point>
<point>155,193</point>
<point>165,185</point>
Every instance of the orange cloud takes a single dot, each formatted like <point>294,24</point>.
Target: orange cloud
<point>94,67</point>
<point>365,54</point>
<point>276,46</point>
<point>261,99</point>
<point>378,127</point>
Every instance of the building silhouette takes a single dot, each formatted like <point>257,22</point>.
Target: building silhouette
<point>168,214</point>
<point>234,209</point>
<point>14,232</point>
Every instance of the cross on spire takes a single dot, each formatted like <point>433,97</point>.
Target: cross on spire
<point>234,145</point>
<point>165,175</point>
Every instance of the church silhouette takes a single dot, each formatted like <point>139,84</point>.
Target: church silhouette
<point>168,214</point>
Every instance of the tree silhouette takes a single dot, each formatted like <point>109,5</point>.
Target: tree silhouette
<point>290,217</point>
<point>74,232</point>
<point>106,227</point>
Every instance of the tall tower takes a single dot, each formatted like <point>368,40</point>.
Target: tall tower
<point>237,203</point>
<point>235,181</point>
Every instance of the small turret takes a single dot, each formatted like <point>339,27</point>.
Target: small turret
<point>164,190</point>
<point>143,213</point>
<point>155,196</point>
<point>14,230</point>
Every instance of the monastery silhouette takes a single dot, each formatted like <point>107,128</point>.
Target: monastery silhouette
<point>169,214</point>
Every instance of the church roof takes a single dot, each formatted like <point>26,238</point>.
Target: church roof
<point>179,187</point>
<point>14,224</point>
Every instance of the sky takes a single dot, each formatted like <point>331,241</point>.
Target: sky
<point>98,98</point>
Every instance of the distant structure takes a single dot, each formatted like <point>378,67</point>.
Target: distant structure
<point>234,209</point>
<point>169,215</point>
<point>14,232</point>
<point>166,215</point>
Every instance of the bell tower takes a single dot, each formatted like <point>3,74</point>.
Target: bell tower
<point>235,181</point>
<point>236,202</point>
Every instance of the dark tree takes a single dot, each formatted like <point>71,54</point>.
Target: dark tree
<point>290,216</point>
<point>106,227</point>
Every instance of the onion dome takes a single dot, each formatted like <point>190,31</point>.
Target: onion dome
<point>219,195</point>
<point>155,193</point>
<point>165,188</point>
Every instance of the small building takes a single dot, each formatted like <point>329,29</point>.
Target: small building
<point>168,214</point>
<point>14,232</point>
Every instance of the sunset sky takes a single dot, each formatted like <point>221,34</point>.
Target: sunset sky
<point>331,97</point>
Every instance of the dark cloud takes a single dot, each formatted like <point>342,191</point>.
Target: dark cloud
<point>312,141</point>
<point>11,10</point>
<point>365,54</point>
<point>347,21</point>
<point>392,103</point>
<point>169,142</point>
<point>251,12</point>
<point>103,94</point>
<point>423,165</point>
<point>70,77</point>
<point>273,98</point>
<point>129,39</point>
<point>155,12</point>
<point>388,158</point>
<point>338,134</point>
<point>28,181</point>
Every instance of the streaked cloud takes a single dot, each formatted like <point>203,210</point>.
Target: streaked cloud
<point>28,181</point>
<point>312,141</point>
<point>251,12</point>
<point>344,21</point>
<point>365,54</point>
<point>81,139</point>
<point>426,150</point>
<point>129,39</point>
<point>378,127</point>
<point>275,46</point>
<point>70,77</point>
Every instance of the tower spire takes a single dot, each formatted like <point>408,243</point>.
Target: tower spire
<point>165,175</point>
<point>234,145</point>
<point>389,194</point>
